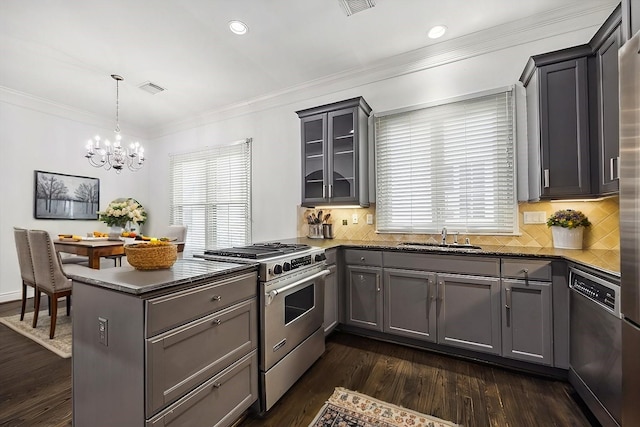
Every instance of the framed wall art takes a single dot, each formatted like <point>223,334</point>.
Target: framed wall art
<point>61,196</point>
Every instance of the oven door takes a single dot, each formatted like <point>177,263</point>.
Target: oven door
<point>293,309</point>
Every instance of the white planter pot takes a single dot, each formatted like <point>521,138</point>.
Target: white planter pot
<point>567,238</point>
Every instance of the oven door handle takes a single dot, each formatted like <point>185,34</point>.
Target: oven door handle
<point>272,294</point>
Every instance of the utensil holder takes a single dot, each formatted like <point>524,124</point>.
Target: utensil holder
<point>315,231</point>
<point>327,231</point>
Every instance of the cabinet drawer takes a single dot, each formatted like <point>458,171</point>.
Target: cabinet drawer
<point>182,358</point>
<point>178,308</point>
<point>360,257</point>
<point>526,269</point>
<point>456,264</point>
<point>217,402</point>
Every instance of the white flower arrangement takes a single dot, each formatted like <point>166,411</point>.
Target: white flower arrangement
<point>121,211</point>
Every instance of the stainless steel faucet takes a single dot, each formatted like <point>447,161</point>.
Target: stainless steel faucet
<point>444,235</point>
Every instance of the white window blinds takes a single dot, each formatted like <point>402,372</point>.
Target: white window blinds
<point>449,165</point>
<point>211,195</point>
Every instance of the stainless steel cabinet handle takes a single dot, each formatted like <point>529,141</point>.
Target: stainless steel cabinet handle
<point>507,305</point>
<point>361,258</point>
<point>217,385</point>
<point>526,274</point>
<point>546,178</point>
<point>330,191</point>
<point>216,298</point>
<point>377,282</point>
<point>441,291</point>
<point>611,166</point>
<point>216,321</point>
<point>324,191</point>
<point>428,298</point>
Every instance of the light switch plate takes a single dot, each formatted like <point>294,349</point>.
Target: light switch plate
<point>354,218</point>
<point>535,217</point>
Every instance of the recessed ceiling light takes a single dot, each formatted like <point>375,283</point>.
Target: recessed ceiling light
<point>238,27</point>
<point>437,31</point>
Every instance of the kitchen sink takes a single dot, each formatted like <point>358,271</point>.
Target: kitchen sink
<point>441,246</point>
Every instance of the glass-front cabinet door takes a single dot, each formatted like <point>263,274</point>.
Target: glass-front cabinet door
<point>313,150</point>
<point>343,151</point>
<point>334,153</point>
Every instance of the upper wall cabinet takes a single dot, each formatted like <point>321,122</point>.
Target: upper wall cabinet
<point>630,18</point>
<point>335,153</point>
<point>603,106</point>
<point>572,117</point>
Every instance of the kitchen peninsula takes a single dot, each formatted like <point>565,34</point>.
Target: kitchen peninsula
<point>154,347</point>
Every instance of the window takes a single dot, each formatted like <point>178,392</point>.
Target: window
<point>211,195</point>
<point>449,165</point>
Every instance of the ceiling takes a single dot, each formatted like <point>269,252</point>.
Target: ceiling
<point>64,52</point>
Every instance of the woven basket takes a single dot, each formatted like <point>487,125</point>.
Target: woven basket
<point>146,256</point>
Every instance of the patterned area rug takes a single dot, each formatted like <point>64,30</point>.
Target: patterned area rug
<point>346,408</point>
<point>61,342</point>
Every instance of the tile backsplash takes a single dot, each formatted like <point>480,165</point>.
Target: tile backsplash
<point>604,232</point>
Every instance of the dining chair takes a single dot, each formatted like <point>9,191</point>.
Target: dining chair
<point>49,276</point>
<point>26,266</point>
<point>177,232</point>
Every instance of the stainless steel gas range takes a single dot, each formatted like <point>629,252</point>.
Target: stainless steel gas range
<point>291,293</point>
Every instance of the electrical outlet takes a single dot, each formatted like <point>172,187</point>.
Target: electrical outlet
<point>535,217</point>
<point>354,218</point>
<point>103,331</point>
<point>370,219</point>
<point>345,222</point>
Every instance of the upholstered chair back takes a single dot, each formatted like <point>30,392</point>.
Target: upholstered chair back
<point>24,255</point>
<point>178,232</point>
<point>46,263</point>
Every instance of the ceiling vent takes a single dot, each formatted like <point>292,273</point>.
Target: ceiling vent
<point>152,88</point>
<point>354,6</point>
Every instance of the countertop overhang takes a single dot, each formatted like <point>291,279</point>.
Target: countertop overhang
<point>606,260</point>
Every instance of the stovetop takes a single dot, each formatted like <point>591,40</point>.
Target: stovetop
<point>275,259</point>
<point>259,251</point>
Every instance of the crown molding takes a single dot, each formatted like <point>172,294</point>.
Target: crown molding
<point>42,105</point>
<point>556,22</point>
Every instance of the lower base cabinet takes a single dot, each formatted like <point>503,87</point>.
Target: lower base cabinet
<point>410,304</point>
<point>364,297</point>
<point>469,312</point>
<point>527,324</point>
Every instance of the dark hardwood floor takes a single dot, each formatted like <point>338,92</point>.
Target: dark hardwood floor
<point>35,386</point>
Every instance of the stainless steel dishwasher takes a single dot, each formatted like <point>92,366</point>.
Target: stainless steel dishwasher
<point>595,368</point>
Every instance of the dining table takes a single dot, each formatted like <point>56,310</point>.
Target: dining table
<point>92,249</point>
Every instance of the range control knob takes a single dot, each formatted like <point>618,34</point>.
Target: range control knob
<point>286,266</point>
<point>277,269</point>
<point>320,257</point>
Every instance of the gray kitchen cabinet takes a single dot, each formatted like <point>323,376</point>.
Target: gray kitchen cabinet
<point>185,355</point>
<point>527,327</point>
<point>558,131</point>
<point>364,297</point>
<point>527,307</point>
<point>331,299</point>
<point>604,109</point>
<point>410,304</point>
<point>469,312</point>
<point>335,153</point>
<point>455,299</point>
<point>630,18</point>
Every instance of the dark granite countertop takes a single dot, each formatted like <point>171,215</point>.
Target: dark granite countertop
<point>129,280</point>
<point>607,261</point>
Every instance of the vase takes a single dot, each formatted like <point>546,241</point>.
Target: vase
<point>567,238</point>
<point>115,232</point>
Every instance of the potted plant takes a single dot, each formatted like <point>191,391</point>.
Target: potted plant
<point>567,228</point>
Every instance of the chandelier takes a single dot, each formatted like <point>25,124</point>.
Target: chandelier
<point>109,154</point>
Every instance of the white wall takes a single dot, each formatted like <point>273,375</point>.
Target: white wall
<point>276,131</point>
<point>32,140</point>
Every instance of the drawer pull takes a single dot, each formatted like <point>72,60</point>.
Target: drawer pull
<point>361,258</point>
<point>217,385</point>
<point>216,321</point>
<point>216,298</point>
